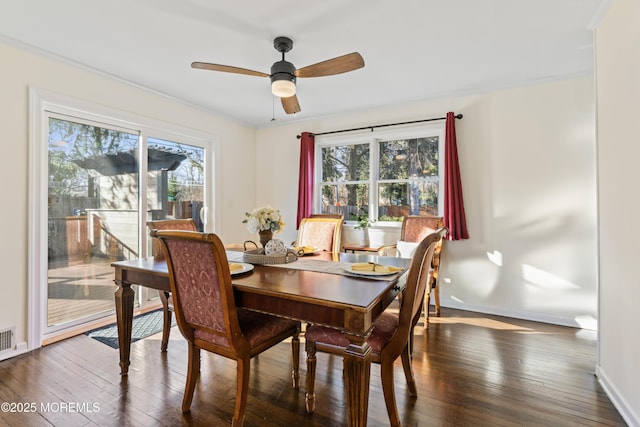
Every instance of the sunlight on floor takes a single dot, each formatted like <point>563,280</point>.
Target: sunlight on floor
<point>476,321</point>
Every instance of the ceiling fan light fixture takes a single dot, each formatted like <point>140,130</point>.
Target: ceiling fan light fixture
<point>283,79</point>
<point>284,87</point>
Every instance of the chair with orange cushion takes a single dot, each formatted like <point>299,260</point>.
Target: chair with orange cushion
<point>208,317</point>
<point>322,233</point>
<point>414,229</point>
<point>156,251</point>
<point>390,337</point>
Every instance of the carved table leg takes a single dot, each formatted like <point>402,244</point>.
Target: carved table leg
<point>310,396</point>
<point>357,368</point>
<point>295,349</point>
<point>124,315</point>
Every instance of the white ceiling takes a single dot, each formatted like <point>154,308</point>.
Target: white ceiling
<point>413,49</point>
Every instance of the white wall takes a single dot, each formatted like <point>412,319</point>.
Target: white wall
<point>618,98</point>
<point>527,158</point>
<point>20,70</point>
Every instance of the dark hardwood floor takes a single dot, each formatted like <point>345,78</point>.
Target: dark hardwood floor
<point>471,370</point>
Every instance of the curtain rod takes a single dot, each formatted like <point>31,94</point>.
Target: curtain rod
<point>458,116</point>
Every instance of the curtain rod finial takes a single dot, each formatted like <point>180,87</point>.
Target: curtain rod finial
<point>459,116</point>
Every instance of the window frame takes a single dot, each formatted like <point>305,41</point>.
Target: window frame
<point>430,129</point>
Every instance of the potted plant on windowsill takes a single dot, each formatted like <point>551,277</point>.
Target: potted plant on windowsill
<point>363,222</point>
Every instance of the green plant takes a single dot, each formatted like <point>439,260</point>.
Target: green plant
<point>362,219</point>
<point>390,218</point>
<point>172,191</point>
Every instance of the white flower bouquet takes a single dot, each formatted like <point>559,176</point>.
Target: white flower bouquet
<point>264,219</point>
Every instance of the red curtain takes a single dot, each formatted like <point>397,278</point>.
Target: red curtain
<point>305,176</point>
<point>454,217</point>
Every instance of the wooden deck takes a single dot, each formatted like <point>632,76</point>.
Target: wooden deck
<point>80,290</point>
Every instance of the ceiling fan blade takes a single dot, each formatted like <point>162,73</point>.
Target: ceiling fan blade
<point>227,69</point>
<point>290,104</point>
<point>330,67</point>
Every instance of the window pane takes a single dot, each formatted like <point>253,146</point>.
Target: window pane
<point>345,163</point>
<point>92,216</point>
<point>408,180</point>
<point>345,199</point>
<point>409,158</point>
<point>176,180</point>
<point>399,199</point>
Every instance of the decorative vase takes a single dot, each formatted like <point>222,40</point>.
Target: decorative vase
<point>376,237</point>
<point>364,237</point>
<point>265,236</point>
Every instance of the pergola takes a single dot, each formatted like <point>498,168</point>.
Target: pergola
<point>126,162</point>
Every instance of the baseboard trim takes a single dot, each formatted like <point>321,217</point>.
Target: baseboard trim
<point>524,315</point>
<point>626,411</point>
<point>21,348</point>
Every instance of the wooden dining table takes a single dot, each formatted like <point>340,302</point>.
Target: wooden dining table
<point>346,302</point>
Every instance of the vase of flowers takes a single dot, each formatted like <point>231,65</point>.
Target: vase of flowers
<point>264,221</point>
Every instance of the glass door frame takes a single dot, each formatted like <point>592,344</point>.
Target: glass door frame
<point>41,104</point>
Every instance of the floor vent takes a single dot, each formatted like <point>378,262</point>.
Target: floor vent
<point>7,339</point>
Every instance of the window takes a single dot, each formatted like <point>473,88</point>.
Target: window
<point>385,178</point>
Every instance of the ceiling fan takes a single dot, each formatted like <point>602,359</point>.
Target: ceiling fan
<point>284,74</point>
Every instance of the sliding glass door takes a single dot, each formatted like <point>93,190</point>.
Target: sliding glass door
<point>93,199</point>
<point>104,182</point>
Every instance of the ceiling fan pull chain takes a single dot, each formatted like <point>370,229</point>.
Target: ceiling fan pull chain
<point>273,109</point>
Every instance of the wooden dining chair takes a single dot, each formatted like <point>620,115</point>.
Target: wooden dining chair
<point>156,250</point>
<point>390,337</point>
<point>321,232</point>
<point>414,229</point>
<point>208,317</point>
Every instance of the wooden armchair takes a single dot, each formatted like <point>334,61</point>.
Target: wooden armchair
<point>208,317</point>
<point>414,229</point>
<point>390,337</point>
<point>322,233</point>
<point>156,251</point>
